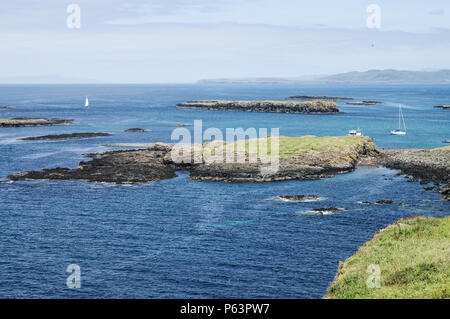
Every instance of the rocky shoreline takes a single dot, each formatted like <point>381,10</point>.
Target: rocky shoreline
<point>58,137</point>
<point>428,165</point>
<point>29,121</point>
<point>315,107</point>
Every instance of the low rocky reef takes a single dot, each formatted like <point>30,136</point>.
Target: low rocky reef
<point>136,130</point>
<point>444,107</point>
<point>7,107</point>
<point>301,158</point>
<point>57,137</point>
<point>428,165</point>
<point>364,102</point>
<point>319,97</point>
<point>29,121</point>
<point>316,107</point>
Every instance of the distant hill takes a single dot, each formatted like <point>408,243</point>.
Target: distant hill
<point>371,76</point>
<point>390,76</point>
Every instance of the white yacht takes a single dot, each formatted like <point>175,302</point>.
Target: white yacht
<point>355,133</point>
<point>401,120</point>
<point>86,104</point>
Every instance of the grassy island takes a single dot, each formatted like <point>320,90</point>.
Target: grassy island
<point>414,258</point>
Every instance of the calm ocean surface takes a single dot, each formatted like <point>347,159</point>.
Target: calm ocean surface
<point>180,238</point>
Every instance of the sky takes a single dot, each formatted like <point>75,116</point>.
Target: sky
<point>179,41</point>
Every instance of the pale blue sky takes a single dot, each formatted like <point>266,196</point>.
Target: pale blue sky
<point>186,40</point>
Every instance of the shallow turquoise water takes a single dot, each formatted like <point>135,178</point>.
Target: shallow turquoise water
<point>180,238</point>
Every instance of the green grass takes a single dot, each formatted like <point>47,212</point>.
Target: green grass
<point>291,146</point>
<point>414,259</point>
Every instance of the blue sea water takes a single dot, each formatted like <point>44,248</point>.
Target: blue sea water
<point>180,238</point>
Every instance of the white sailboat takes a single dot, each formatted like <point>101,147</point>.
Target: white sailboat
<point>401,119</point>
<point>86,104</point>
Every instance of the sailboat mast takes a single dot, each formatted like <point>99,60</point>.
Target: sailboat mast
<point>399,112</point>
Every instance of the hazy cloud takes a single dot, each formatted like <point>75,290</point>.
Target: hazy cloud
<point>437,12</point>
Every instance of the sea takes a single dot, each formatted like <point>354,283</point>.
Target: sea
<point>179,238</point>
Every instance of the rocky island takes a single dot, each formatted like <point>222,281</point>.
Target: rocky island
<point>7,107</point>
<point>136,130</point>
<point>57,137</point>
<point>315,107</point>
<point>303,158</point>
<point>29,121</point>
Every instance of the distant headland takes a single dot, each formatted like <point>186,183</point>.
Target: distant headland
<point>369,77</point>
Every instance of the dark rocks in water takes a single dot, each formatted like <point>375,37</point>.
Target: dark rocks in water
<point>7,107</point>
<point>364,102</point>
<point>72,136</point>
<point>317,107</point>
<point>28,121</point>
<point>428,188</point>
<point>319,97</point>
<point>298,198</point>
<point>401,204</point>
<point>131,166</point>
<point>428,165</point>
<point>445,190</point>
<point>136,130</point>
<point>329,210</point>
<point>366,203</point>
<point>385,202</point>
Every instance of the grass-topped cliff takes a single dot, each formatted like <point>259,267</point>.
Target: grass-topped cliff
<point>414,259</point>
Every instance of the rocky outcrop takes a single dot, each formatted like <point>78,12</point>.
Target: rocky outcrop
<point>28,121</point>
<point>130,166</point>
<point>318,107</point>
<point>56,137</point>
<point>136,130</point>
<point>428,165</point>
<point>7,107</point>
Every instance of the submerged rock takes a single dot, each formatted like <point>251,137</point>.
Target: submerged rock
<point>298,198</point>
<point>385,202</point>
<point>329,210</point>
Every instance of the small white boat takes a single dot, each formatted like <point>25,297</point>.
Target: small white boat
<point>401,119</point>
<point>355,133</point>
<point>86,104</point>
